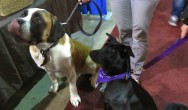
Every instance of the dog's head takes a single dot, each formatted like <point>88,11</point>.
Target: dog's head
<point>114,57</point>
<point>35,26</point>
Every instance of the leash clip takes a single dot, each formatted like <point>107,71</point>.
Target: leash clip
<point>43,52</point>
<point>142,68</point>
<point>127,76</point>
<point>65,23</point>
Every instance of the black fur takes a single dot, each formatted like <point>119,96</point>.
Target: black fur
<point>114,58</point>
<point>37,28</point>
<point>176,106</point>
<point>57,32</point>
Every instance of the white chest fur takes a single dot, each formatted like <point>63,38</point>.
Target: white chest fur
<point>58,57</point>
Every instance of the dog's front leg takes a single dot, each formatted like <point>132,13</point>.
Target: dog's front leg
<point>91,67</point>
<point>55,84</point>
<point>74,97</point>
<point>93,80</point>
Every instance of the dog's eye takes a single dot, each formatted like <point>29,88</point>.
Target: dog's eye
<point>37,20</point>
<point>24,14</point>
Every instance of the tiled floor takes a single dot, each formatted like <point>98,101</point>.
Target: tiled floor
<point>38,97</point>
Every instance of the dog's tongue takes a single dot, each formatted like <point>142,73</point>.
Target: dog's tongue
<point>14,27</point>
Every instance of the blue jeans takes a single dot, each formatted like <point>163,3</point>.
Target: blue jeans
<point>178,7</point>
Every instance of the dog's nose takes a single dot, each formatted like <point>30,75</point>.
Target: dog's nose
<point>20,21</point>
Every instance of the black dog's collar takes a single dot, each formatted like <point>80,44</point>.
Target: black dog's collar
<point>103,78</point>
<point>44,52</point>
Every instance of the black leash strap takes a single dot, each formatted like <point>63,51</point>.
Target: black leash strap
<point>68,19</point>
<point>44,52</point>
<point>80,27</point>
<point>98,25</point>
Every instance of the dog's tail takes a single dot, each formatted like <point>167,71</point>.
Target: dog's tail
<point>176,106</point>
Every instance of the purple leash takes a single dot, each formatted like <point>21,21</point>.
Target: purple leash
<point>102,77</point>
<point>166,52</point>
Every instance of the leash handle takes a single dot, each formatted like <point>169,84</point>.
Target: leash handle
<point>166,52</point>
<point>98,25</point>
<point>78,23</point>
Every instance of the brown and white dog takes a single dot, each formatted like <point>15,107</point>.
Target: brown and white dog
<point>68,57</point>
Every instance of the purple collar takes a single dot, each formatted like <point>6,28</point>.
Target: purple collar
<point>103,78</point>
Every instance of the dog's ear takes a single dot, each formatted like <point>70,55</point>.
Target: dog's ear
<point>128,50</point>
<point>57,30</point>
<point>111,39</point>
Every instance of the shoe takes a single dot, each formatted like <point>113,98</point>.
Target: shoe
<point>135,77</point>
<point>182,17</point>
<point>173,21</point>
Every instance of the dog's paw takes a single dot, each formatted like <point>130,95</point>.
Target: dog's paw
<point>75,100</point>
<point>135,77</point>
<point>53,89</point>
<point>103,87</point>
<point>94,83</point>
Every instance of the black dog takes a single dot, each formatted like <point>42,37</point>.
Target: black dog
<point>126,93</point>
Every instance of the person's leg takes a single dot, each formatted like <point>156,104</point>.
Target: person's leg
<point>142,12</point>
<point>177,7</point>
<point>121,10</point>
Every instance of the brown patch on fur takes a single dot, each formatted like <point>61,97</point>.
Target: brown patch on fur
<point>62,40</point>
<point>50,20</point>
<point>97,69</point>
<point>79,53</point>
